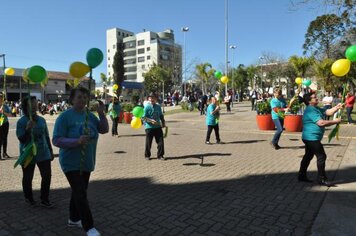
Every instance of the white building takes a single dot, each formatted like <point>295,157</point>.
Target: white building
<point>142,50</point>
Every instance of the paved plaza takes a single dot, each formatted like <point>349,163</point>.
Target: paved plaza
<point>240,187</point>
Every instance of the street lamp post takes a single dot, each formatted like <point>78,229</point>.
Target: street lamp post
<point>226,41</point>
<point>184,30</point>
<point>261,58</point>
<point>4,67</point>
<point>233,47</point>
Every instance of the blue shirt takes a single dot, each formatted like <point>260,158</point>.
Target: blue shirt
<point>312,131</point>
<point>279,103</point>
<point>70,124</point>
<point>40,134</point>
<point>153,112</point>
<point>211,119</point>
<point>114,109</point>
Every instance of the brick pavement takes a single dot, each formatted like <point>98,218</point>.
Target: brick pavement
<point>243,187</point>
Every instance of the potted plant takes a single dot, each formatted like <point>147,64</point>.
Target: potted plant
<point>293,120</point>
<point>264,117</point>
<point>127,107</point>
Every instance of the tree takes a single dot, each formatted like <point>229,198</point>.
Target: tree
<point>322,33</point>
<point>322,70</point>
<point>241,80</point>
<point>106,81</point>
<point>301,64</point>
<point>204,72</point>
<point>118,67</point>
<point>156,78</point>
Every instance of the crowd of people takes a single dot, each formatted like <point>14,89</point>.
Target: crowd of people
<point>76,134</point>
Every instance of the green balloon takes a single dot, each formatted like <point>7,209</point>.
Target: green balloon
<point>138,112</point>
<point>37,74</point>
<point>94,57</point>
<point>351,53</point>
<point>307,82</point>
<point>218,74</point>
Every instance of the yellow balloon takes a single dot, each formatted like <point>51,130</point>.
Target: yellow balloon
<point>298,80</point>
<point>9,71</point>
<point>136,123</point>
<point>224,79</point>
<point>78,69</point>
<point>341,67</point>
<point>115,87</point>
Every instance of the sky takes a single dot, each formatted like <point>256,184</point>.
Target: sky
<point>54,33</point>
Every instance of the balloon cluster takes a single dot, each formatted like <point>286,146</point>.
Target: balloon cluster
<point>342,66</point>
<point>35,75</point>
<point>300,81</point>
<point>138,113</point>
<point>219,75</point>
<point>79,69</point>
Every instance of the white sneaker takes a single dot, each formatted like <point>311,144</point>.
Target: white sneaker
<point>75,224</point>
<point>93,232</point>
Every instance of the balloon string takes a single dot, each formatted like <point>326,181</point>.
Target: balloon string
<point>30,108</point>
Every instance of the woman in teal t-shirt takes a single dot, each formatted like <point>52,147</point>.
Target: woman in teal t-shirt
<point>38,128</point>
<point>314,124</point>
<point>212,120</point>
<point>114,113</point>
<point>278,104</point>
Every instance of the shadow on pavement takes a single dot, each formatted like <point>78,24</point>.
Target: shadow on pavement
<point>246,141</point>
<point>199,156</point>
<point>275,204</point>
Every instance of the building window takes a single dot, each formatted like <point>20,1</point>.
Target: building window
<point>113,46</point>
<point>141,42</point>
<point>108,50</point>
<point>109,72</point>
<point>148,57</point>
<point>118,33</point>
<point>108,58</point>
<point>148,49</point>
<point>140,59</point>
<point>143,67</point>
<point>109,66</point>
<point>140,51</point>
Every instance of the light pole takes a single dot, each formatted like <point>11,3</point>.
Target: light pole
<point>184,30</point>
<point>226,41</point>
<point>4,67</point>
<point>233,47</point>
<point>261,58</point>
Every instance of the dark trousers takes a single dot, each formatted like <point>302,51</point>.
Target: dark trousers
<point>253,104</point>
<point>46,173</point>
<point>4,132</point>
<point>157,133</point>
<point>202,109</point>
<point>348,112</point>
<point>279,130</point>
<point>216,130</point>
<point>228,107</point>
<point>313,148</point>
<point>115,123</point>
<point>79,206</point>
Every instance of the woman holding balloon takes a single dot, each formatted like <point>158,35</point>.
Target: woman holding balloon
<point>77,152</point>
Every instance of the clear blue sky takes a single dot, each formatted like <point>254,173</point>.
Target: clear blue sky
<point>55,33</point>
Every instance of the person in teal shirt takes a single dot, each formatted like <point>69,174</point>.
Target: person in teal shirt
<point>77,153</point>
<point>212,120</point>
<point>4,127</point>
<point>278,105</point>
<point>37,127</point>
<point>314,123</point>
<point>154,122</point>
<point>114,113</point>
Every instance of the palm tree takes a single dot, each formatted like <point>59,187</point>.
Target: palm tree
<point>204,72</point>
<point>301,64</point>
<point>106,81</point>
<point>322,70</point>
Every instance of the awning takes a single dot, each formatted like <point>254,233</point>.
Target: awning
<point>131,85</point>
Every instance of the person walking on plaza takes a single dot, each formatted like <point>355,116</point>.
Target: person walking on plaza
<point>327,102</point>
<point>314,124</point>
<point>114,112</point>
<point>5,112</point>
<point>77,153</point>
<point>349,104</point>
<point>154,122</point>
<point>37,127</point>
<point>212,120</point>
<point>278,104</point>
<point>254,97</point>
<point>227,101</point>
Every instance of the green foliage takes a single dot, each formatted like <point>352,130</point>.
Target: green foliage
<point>155,77</point>
<point>128,107</point>
<point>264,108</point>
<point>295,107</point>
<point>322,33</point>
<point>205,76</point>
<point>118,66</point>
<point>300,64</point>
<point>185,106</point>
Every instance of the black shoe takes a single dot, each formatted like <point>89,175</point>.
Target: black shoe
<point>304,178</point>
<point>275,146</point>
<point>2,158</point>
<point>47,204</point>
<point>30,201</point>
<point>218,142</point>
<point>325,182</point>
<point>5,155</point>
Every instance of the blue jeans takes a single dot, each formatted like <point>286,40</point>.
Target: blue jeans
<point>279,126</point>
<point>348,112</point>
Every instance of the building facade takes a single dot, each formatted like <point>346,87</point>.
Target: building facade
<point>142,50</point>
